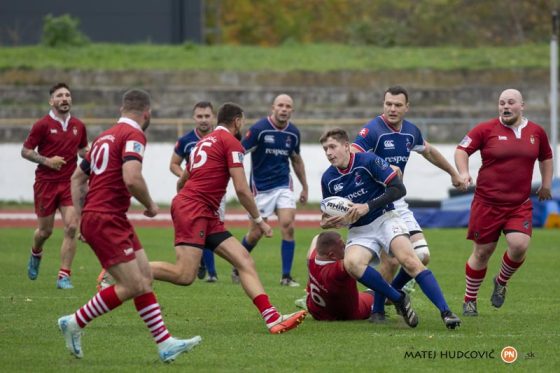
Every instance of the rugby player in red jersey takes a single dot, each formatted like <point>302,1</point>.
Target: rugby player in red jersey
<point>54,142</point>
<point>509,146</point>
<point>215,159</point>
<point>114,169</point>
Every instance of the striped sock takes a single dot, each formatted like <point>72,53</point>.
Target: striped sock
<point>148,309</point>
<point>267,310</point>
<point>37,253</point>
<point>473,278</point>
<point>508,269</point>
<point>62,272</point>
<point>101,303</point>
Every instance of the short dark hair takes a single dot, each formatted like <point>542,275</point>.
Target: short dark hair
<point>396,90</point>
<point>136,100</point>
<point>203,105</point>
<point>325,241</point>
<point>57,86</point>
<point>338,134</point>
<point>228,112</point>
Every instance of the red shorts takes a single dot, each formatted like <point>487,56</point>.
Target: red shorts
<point>50,196</point>
<point>362,312</point>
<point>486,222</point>
<point>194,222</point>
<point>111,237</point>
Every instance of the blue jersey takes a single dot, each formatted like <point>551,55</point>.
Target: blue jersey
<point>364,179</point>
<point>185,144</point>
<point>378,137</point>
<point>271,149</point>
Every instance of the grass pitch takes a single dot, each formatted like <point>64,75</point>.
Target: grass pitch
<point>235,338</point>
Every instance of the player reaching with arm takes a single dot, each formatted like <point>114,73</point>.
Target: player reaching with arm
<point>214,160</point>
<point>393,138</point>
<point>372,185</point>
<point>509,146</point>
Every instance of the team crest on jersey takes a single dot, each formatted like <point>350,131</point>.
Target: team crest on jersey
<point>248,134</point>
<point>237,157</point>
<point>134,147</point>
<point>288,142</point>
<point>381,163</point>
<point>53,130</point>
<point>363,132</point>
<point>75,131</point>
<point>358,179</point>
<point>526,224</point>
<point>532,140</point>
<point>389,144</point>
<point>465,142</point>
<point>269,139</point>
<point>408,145</point>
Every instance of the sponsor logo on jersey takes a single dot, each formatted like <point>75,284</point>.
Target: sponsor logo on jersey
<point>53,130</point>
<point>532,140</point>
<point>237,157</point>
<point>382,163</point>
<point>396,159</point>
<point>338,187</point>
<point>361,192</point>
<point>465,142</point>
<point>277,152</point>
<point>106,137</point>
<point>364,132</point>
<point>358,179</point>
<point>389,144</point>
<point>128,251</point>
<point>269,139</point>
<point>502,137</point>
<point>134,147</point>
<point>75,131</point>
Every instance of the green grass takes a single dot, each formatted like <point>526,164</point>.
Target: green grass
<point>235,338</point>
<point>312,57</point>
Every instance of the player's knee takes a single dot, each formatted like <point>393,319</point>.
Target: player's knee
<point>412,265</point>
<point>70,230</point>
<point>288,229</point>
<point>184,279</point>
<point>354,267</point>
<point>44,233</point>
<point>422,250</point>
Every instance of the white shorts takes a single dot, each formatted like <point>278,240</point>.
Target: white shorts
<point>406,215</point>
<point>378,234</point>
<point>269,201</point>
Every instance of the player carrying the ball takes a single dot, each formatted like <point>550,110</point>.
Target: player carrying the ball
<point>372,185</point>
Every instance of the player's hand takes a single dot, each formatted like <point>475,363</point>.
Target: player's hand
<point>55,162</point>
<point>81,238</point>
<point>265,228</point>
<point>544,193</point>
<point>356,212</point>
<point>459,182</point>
<point>152,210</point>
<point>303,197</point>
<point>335,222</point>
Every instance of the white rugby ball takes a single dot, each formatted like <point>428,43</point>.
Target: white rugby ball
<point>335,206</point>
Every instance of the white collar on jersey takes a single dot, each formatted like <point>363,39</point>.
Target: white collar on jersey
<point>130,122</point>
<point>516,130</point>
<point>64,124</point>
<point>324,262</point>
<point>222,128</point>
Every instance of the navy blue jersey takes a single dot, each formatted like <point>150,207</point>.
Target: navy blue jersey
<point>185,144</point>
<point>364,179</point>
<point>271,149</point>
<point>378,137</point>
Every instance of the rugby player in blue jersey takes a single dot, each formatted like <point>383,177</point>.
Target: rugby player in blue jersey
<point>393,138</point>
<point>274,142</point>
<point>374,225</point>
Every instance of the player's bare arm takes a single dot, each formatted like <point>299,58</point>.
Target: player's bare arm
<point>79,188</point>
<point>55,162</point>
<point>83,151</point>
<point>175,165</point>
<point>183,177</point>
<point>462,164</point>
<point>246,199</point>
<point>434,156</point>
<point>299,169</point>
<point>545,190</point>
<point>136,185</point>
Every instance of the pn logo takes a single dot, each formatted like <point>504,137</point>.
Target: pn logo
<point>509,354</point>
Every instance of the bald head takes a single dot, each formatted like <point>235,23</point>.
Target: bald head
<point>510,107</point>
<point>282,108</point>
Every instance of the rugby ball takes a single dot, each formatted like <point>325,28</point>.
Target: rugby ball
<point>335,206</point>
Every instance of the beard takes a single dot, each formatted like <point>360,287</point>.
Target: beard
<point>146,124</point>
<point>63,108</point>
<point>237,135</point>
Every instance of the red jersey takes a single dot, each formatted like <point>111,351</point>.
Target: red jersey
<point>107,191</point>
<point>332,292</point>
<point>209,164</point>
<point>52,137</point>
<point>508,158</point>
